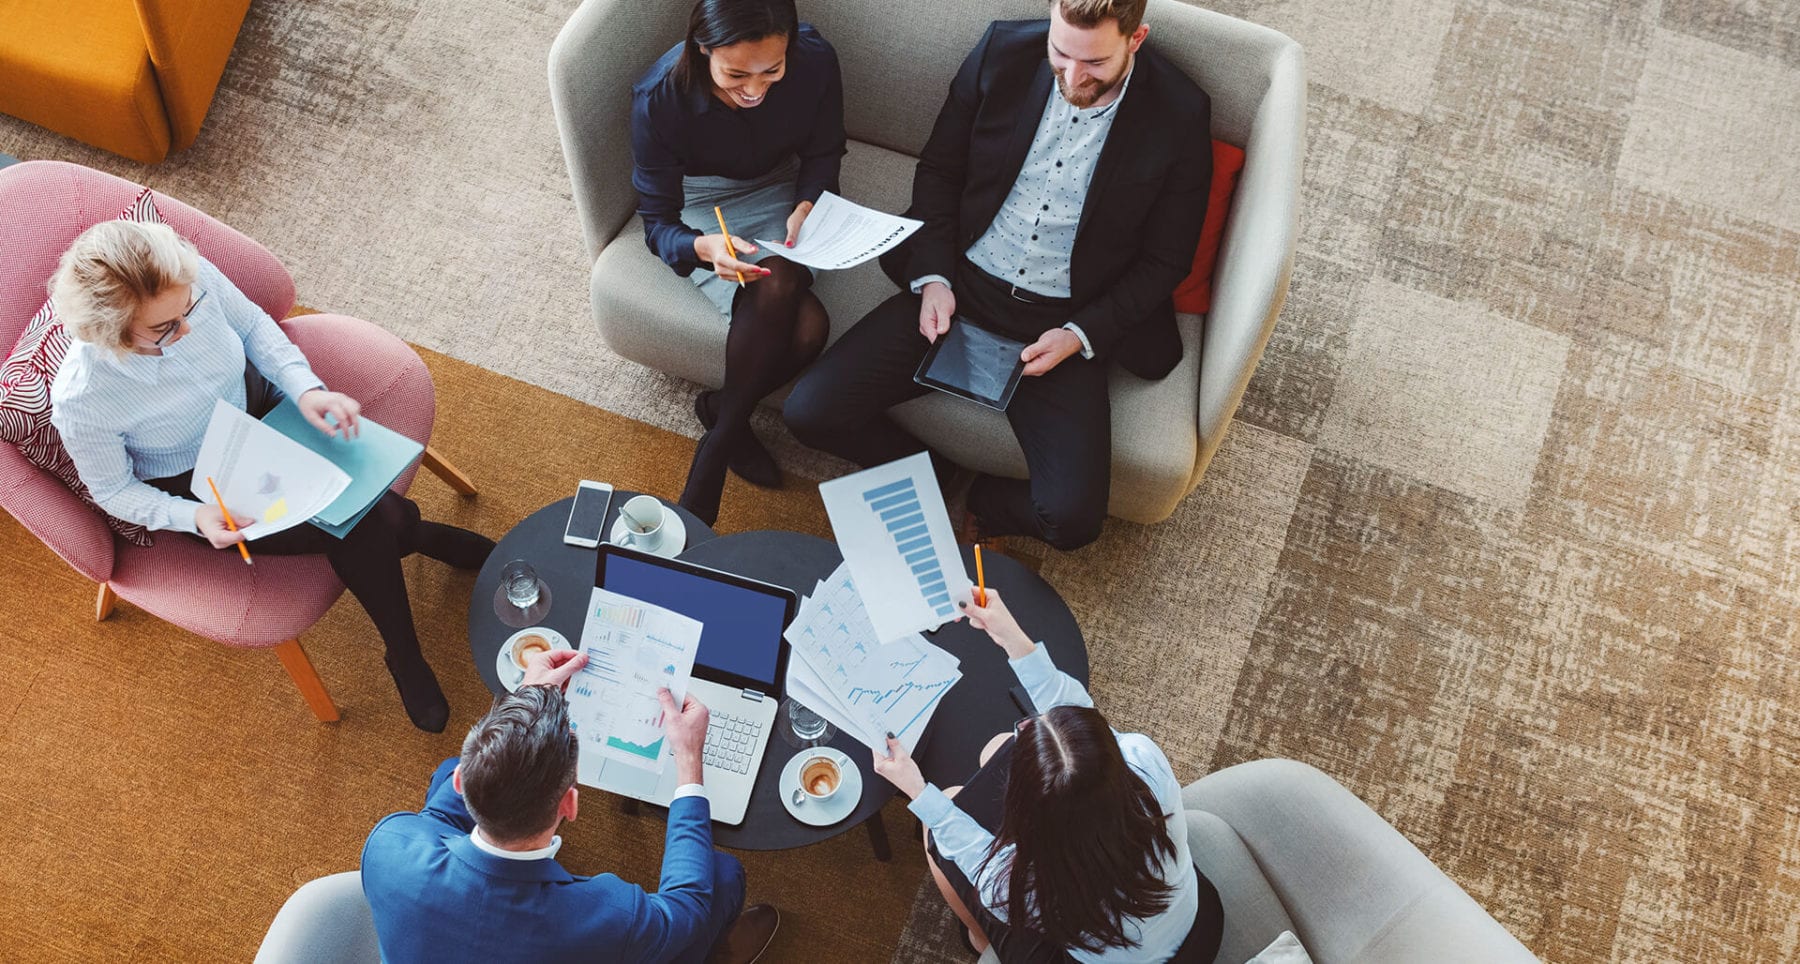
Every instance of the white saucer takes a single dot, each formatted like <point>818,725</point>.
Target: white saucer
<point>674,536</point>
<point>814,812</point>
<point>510,673</point>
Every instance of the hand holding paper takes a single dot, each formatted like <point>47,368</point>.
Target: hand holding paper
<point>843,234</point>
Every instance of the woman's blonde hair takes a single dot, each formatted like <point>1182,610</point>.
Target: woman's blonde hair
<point>111,270</point>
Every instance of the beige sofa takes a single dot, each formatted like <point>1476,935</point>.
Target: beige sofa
<point>897,61</point>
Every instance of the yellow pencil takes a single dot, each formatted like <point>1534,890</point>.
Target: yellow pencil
<point>243,550</point>
<point>729,247</point>
<point>980,579</point>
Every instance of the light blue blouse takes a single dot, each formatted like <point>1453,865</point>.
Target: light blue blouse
<point>126,418</point>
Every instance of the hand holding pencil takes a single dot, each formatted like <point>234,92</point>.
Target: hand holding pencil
<point>219,527</point>
<point>998,622</point>
<point>721,251</point>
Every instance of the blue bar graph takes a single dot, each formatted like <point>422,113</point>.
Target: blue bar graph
<point>898,505</point>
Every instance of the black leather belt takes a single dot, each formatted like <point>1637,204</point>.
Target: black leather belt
<point>1017,293</point>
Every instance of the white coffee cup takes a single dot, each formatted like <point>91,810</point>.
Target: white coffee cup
<point>643,518</point>
<point>821,775</point>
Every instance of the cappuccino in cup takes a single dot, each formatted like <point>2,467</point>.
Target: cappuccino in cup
<point>820,777</point>
<point>528,646</point>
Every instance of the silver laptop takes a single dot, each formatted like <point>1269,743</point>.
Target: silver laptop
<point>739,671</point>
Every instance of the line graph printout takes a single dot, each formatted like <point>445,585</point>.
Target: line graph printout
<point>865,688</point>
<point>895,535</point>
<point>634,649</point>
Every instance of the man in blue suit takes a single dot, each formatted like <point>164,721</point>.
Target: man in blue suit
<point>474,877</point>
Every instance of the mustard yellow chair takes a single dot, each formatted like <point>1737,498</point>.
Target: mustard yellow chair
<point>134,78</point>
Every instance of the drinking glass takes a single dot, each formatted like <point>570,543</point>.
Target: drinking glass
<point>521,583</point>
<point>808,727</point>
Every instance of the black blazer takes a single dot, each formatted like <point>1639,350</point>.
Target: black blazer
<point>1144,207</point>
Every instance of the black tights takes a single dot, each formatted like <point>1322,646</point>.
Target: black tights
<point>778,326</point>
<point>366,560</point>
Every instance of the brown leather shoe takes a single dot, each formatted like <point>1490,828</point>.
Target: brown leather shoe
<point>749,936</point>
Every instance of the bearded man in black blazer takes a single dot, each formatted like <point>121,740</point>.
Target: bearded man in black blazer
<point>1062,191</point>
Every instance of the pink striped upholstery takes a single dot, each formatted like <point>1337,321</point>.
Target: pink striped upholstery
<point>43,206</point>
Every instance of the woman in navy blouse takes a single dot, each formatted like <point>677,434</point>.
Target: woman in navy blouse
<point>747,114</point>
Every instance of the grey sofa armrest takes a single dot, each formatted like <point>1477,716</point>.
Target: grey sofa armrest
<point>603,49</point>
<point>1356,889</point>
<point>1256,256</point>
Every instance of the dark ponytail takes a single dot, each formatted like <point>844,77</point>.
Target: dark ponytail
<point>721,23</point>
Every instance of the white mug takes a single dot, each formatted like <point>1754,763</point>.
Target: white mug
<point>643,517</point>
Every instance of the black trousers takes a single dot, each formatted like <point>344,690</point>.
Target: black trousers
<point>366,560</point>
<point>1062,419</point>
<point>983,798</point>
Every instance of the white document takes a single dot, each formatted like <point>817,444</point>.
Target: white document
<point>634,649</point>
<point>843,234</point>
<point>263,472</point>
<point>895,535</point>
<point>867,689</point>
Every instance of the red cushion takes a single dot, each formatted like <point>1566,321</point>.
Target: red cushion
<point>1194,294</point>
<point>25,379</point>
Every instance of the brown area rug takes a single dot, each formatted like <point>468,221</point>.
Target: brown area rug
<point>164,794</point>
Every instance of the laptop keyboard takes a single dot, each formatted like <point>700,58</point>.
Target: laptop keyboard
<point>730,740</point>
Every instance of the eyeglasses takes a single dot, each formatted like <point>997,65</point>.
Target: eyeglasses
<point>173,326</point>
<point>1020,725</point>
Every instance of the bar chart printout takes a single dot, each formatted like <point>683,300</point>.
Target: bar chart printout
<point>897,504</point>
<point>891,526</point>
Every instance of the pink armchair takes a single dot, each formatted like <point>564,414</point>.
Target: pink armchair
<point>43,206</point>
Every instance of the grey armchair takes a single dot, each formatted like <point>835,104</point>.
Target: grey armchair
<point>897,62</point>
<point>1290,849</point>
<point>326,921</point>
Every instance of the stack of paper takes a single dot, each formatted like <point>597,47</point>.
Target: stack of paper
<point>842,671</point>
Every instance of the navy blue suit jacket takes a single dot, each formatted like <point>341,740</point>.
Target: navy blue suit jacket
<point>437,897</point>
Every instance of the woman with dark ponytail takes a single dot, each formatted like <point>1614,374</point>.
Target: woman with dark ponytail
<point>746,114</point>
<point>1069,844</point>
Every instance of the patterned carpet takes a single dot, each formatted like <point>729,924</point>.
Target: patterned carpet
<point>1504,536</point>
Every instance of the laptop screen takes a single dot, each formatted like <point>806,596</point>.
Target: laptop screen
<point>743,619</point>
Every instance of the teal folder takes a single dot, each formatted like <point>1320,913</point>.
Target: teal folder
<point>373,460</point>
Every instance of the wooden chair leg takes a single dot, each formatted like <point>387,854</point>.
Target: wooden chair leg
<point>103,603</point>
<point>451,475</point>
<point>294,660</point>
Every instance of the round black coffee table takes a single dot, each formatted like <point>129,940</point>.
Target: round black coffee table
<point>980,705</point>
<point>986,701</point>
<point>567,570</point>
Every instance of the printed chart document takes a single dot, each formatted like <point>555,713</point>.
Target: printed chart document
<point>373,460</point>
<point>634,649</point>
<point>843,234</point>
<point>261,471</point>
<point>867,689</point>
<point>895,535</point>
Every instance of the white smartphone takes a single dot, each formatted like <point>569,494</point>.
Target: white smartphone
<point>592,500</point>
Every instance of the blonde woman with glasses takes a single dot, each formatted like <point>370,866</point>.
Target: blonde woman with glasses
<point>159,334</point>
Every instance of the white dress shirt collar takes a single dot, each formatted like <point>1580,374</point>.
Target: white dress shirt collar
<point>542,853</point>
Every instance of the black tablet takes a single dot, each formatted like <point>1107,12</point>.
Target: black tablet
<point>971,362</point>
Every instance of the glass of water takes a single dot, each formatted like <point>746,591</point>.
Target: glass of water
<point>521,583</point>
<point>809,728</point>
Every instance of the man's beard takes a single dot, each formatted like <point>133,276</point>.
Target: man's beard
<point>1088,93</point>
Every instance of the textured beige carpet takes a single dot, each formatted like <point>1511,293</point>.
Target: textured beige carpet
<point>1504,536</point>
